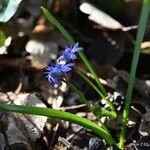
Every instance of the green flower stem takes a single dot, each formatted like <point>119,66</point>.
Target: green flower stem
<point>96,89</point>
<point>70,39</point>
<point>92,70</point>
<point>89,82</point>
<point>139,38</point>
<point>60,115</point>
<point>84,100</point>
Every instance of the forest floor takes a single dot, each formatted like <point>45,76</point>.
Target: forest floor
<point>33,43</point>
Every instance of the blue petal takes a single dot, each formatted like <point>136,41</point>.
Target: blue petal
<point>60,58</point>
<point>70,65</point>
<point>48,68</point>
<point>55,81</point>
<point>76,45</point>
<point>73,56</point>
<point>67,68</point>
<point>76,48</point>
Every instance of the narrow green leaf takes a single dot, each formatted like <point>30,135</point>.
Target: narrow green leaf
<point>60,115</point>
<point>140,34</point>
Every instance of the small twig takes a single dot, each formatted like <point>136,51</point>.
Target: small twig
<point>65,142</point>
<point>19,88</point>
<point>72,107</point>
<point>54,135</point>
<point>71,138</point>
<point>137,111</point>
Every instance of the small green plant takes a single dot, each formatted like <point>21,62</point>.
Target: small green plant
<point>2,38</point>
<point>58,71</point>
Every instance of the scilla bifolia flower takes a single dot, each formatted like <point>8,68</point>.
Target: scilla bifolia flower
<point>57,70</point>
<point>69,53</point>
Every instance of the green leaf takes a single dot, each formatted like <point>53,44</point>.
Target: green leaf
<point>8,9</point>
<point>139,38</point>
<point>100,112</point>
<point>61,115</point>
<point>2,38</point>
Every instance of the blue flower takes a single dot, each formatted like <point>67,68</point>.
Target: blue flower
<point>62,65</point>
<point>69,53</point>
<point>65,68</point>
<point>54,74</point>
<point>56,71</point>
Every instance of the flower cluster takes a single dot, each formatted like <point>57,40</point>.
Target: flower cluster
<point>63,65</point>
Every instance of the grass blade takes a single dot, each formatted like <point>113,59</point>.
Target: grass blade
<point>60,115</point>
<point>139,38</point>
